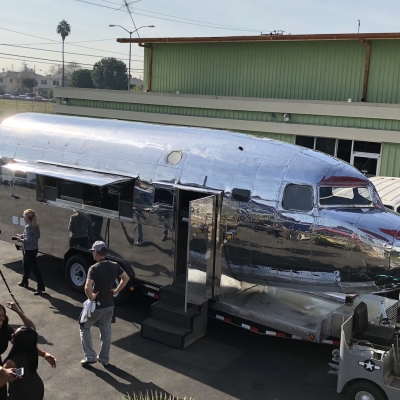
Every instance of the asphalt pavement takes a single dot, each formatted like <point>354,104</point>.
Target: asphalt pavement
<point>229,363</point>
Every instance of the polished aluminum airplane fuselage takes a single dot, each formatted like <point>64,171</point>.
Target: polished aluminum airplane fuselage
<point>344,249</point>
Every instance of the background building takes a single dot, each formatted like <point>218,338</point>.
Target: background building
<point>339,94</point>
<point>9,82</point>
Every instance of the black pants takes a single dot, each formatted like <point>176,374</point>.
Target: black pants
<point>3,389</point>
<point>81,242</point>
<point>30,263</point>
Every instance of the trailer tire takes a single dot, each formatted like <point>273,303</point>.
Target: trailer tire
<point>76,270</point>
<point>365,390</point>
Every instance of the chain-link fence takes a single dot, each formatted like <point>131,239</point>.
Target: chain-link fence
<point>11,107</point>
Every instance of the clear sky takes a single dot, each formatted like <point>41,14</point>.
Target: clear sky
<point>89,24</point>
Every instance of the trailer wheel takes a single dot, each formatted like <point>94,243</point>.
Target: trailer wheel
<point>365,390</point>
<point>123,296</point>
<point>76,272</point>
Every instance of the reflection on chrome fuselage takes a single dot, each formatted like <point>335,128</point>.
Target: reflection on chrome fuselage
<point>309,222</point>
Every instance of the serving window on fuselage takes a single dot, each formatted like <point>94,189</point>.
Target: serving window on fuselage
<point>345,196</point>
<point>116,196</point>
<point>298,198</point>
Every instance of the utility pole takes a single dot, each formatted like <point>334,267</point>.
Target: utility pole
<point>359,23</point>
<point>130,48</point>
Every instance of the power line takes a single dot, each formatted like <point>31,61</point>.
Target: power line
<point>56,61</point>
<point>56,51</point>
<point>194,22</point>
<point>58,42</point>
<point>38,62</point>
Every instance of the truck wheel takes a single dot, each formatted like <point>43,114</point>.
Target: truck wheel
<point>76,272</point>
<point>365,390</point>
<point>123,296</point>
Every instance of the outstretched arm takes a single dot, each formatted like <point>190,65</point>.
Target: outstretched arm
<point>27,322</point>
<point>48,357</point>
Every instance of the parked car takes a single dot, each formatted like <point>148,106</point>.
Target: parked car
<point>53,100</point>
<point>8,96</point>
<point>39,98</point>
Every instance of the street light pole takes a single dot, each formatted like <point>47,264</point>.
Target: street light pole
<point>130,48</point>
<point>129,72</point>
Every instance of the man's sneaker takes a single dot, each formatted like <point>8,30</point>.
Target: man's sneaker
<point>104,364</point>
<point>86,362</point>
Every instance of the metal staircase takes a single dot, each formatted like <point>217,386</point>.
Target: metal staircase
<point>170,324</point>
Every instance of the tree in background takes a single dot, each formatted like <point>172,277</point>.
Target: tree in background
<point>63,29</point>
<point>110,73</point>
<point>82,79</point>
<point>72,67</point>
<point>55,69</point>
<point>28,83</point>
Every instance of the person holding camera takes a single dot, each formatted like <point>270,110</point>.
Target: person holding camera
<point>6,333</point>
<point>29,240</point>
<point>99,289</point>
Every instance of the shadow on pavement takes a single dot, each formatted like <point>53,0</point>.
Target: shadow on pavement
<point>134,386</point>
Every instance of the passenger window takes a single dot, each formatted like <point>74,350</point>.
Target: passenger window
<point>298,198</point>
<point>390,207</point>
<point>143,195</point>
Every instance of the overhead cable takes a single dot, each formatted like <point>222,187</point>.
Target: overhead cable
<point>66,52</point>
<point>193,21</point>
<point>58,42</point>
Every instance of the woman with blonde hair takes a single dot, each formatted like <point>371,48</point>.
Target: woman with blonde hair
<point>29,240</point>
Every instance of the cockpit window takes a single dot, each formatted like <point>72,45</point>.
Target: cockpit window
<point>298,198</point>
<point>344,196</point>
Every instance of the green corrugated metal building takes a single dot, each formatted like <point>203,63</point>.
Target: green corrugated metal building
<point>335,93</point>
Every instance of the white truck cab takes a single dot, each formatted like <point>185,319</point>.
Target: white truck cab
<point>388,189</point>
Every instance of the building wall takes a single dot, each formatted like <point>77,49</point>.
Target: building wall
<point>286,70</point>
<point>313,70</point>
<point>390,165</point>
<point>384,79</point>
<point>10,84</point>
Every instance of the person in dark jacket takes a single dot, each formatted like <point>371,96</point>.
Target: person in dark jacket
<point>24,354</point>
<point>79,228</point>
<point>29,240</point>
<point>6,332</point>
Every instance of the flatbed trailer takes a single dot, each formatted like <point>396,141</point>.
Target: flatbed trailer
<point>273,311</point>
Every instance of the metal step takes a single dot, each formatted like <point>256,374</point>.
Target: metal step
<point>174,314</point>
<point>165,332</point>
<point>173,294</point>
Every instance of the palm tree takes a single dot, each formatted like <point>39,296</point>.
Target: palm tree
<point>64,29</point>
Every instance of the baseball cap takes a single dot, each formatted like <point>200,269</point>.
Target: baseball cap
<point>98,246</point>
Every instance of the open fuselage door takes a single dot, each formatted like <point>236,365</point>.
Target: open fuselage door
<point>203,272</point>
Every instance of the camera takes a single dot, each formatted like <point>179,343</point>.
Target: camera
<point>14,238</point>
